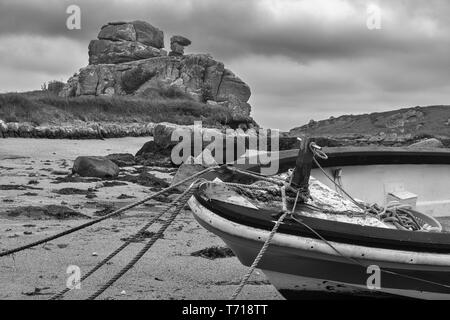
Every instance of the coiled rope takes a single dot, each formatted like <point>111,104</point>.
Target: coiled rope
<point>395,213</point>
<point>114,213</point>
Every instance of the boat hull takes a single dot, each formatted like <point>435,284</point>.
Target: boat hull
<point>301,267</point>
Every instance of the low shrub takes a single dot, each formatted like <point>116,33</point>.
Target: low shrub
<point>40,108</point>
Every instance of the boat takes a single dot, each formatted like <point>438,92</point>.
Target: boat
<point>326,250</point>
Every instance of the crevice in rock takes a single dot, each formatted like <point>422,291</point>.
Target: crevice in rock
<point>220,83</point>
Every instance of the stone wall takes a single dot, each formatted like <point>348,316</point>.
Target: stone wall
<point>75,131</point>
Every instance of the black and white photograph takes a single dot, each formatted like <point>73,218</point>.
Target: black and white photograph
<point>235,152</point>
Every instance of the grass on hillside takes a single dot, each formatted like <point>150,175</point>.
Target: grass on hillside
<point>435,121</point>
<point>43,107</point>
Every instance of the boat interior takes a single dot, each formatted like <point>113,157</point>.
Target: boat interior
<point>380,175</point>
<point>418,179</point>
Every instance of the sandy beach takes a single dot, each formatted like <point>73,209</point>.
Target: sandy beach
<point>29,173</point>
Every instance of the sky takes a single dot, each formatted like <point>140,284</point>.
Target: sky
<point>303,59</point>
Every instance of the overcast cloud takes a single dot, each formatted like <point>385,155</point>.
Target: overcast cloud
<point>303,59</point>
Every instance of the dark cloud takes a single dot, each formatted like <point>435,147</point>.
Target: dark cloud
<point>311,59</point>
<point>234,28</point>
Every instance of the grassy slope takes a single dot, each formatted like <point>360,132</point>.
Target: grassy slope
<point>39,107</point>
<point>436,121</point>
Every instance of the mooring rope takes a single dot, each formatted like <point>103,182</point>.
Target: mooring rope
<point>130,240</point>
<point>258,257</point>
<point>182,199</point>
<point>114,213</point>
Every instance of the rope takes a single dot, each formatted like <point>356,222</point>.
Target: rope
<point>90,223</point>
<point>397,213</point>
<point>60,294</point>
<point>258,257</point>
<point>185,196</point>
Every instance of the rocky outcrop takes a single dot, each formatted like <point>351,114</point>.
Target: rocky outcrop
<point>232,86</point>
<point>136,31</point>
<point>126,41</point>
<point>128,59</point>
<point>118,32</point>
<point>148,34</point>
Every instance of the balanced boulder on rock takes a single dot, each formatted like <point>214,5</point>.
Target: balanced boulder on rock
<point>177,44</point>
<point>99,167</point>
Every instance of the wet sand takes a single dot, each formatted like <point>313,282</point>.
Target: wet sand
<point>167,271</point>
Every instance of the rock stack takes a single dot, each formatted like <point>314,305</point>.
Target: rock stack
<point>128,58</point>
